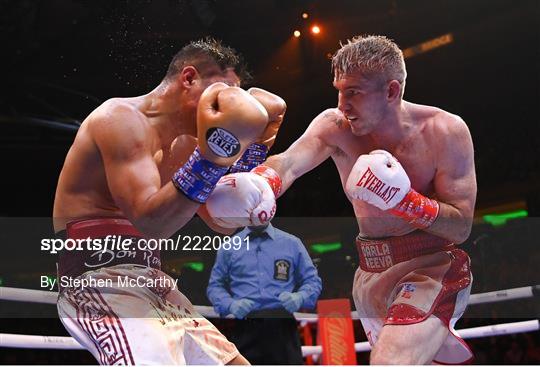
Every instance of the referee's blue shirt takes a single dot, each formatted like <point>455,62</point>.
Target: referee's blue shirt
<point>275,262</point>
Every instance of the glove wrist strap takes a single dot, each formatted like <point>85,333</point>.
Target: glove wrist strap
<point>254,155</point>
<point>271,177</point>
<point>197,177</point>
<point>418,210</point>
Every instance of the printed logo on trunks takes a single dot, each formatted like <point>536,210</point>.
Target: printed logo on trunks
<point>281,270</point>
<point>100,258</point>
<point>378,187</point>
<point>222,142</point>
<point>407,290</point>
<point>377,255</point>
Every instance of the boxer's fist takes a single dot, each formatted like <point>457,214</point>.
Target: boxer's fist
<point>241,199</point>
<point>275,107</point>
<point>256,153</point>
<point>378,179</point>
<point>245,198</point>
<point>229,119</point>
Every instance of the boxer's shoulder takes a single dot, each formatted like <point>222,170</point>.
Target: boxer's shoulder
<point>329,124</point>
<point>118,118</point>
<point>436,123</point>
<point>449,130</point>
<point>332,129</point>
<point>332,119</point>
<point>449,124</point>
<point>116,110</point>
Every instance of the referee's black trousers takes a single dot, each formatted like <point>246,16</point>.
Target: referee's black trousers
<point>268,337</point>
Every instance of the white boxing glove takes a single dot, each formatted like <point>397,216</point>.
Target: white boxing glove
<point>378,179</point>
<point>242,199</point>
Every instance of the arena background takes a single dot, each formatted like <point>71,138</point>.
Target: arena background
<point>478,59</point>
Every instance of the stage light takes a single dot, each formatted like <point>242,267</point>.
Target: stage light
<point>296,33</point>
<point>315,29</point>
<point>305,15</point>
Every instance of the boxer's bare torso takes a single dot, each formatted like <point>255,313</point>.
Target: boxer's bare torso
<point>416,153</point>
<point>423,149</point>
<point>83,190</point>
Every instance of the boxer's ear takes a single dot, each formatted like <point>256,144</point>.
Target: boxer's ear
<point>393,91</point>
<point>188,75</point>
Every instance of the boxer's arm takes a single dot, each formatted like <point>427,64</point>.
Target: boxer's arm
<point>133,177</point>
<point>254,193</point>
<point>306,153</point>
<point>455,180</point>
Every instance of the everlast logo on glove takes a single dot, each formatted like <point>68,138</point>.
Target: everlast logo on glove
<point>378,187</point>
<point>222,143</point>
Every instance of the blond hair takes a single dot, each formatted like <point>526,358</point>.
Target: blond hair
<point>373,56</point>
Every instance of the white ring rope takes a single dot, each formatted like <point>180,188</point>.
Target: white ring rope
<point>60,342</point>
<point>63,342</point>
<point>36,296</point>
<point>503,295</point>
<point>28,295</point>
<point>471,333</point>
<point>38,341</point>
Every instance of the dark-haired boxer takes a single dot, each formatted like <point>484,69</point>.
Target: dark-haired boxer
<point>140,168</point>
<point>408,171</point>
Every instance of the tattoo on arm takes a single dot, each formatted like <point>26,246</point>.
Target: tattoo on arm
<point>334,119</point>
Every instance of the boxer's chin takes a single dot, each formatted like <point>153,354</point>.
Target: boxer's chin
<point>360,130</point>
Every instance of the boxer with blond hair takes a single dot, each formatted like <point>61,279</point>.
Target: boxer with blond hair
<point>408,171</point>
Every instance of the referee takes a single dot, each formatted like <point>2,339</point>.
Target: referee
<point>262,286</point>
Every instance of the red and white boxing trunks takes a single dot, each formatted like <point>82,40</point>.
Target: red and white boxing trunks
<point>404,280</point>
<point>132,313</point>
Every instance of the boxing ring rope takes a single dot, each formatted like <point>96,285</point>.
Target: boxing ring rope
<point>37,296</point>
<point>474,299</point>
<point>59,342</point>
<point>471,333</point>
<point>38,342</point>
<point>65,342</point>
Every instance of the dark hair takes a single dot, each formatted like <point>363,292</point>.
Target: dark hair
<point>205,54</point>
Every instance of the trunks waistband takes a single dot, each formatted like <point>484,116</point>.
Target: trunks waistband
<point>100,228</point>
<point>377,255</point>
<point>73,263</point>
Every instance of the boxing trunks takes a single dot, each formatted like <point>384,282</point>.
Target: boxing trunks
<point>78,261</point>
<point>132,313</point>
<point>404,280</point>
